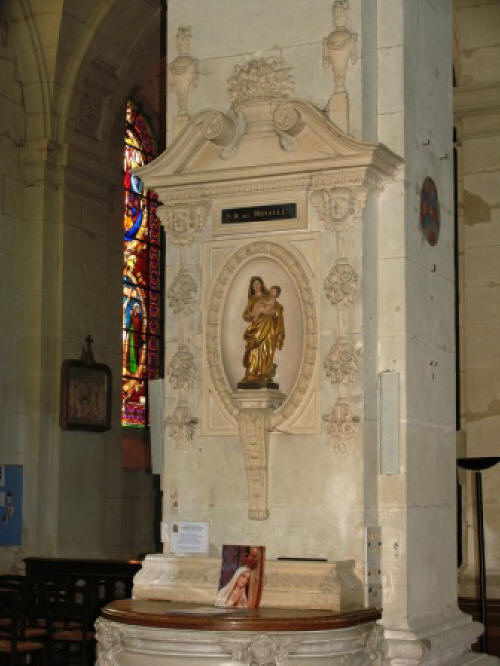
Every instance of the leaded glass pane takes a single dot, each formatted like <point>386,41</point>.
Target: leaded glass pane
<point>141,309</point>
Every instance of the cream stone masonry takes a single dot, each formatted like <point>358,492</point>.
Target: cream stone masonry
<point>254,436</point>
<point>376,280</point>
<point>332,585</point>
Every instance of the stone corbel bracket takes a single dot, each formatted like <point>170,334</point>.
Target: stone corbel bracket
<point>254,418</point>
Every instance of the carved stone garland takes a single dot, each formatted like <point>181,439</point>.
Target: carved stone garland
<point>181,370</point>
<point>341,364</point>
<point>182,223</point>
<point>181,292</point>
<point>181,424</point>
<point>340,208</point>
<point>263,650</point>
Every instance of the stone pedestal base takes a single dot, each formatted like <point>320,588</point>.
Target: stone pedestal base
<point>446,641</point>
<point>135,633</point>
<point>301,585</point>
<point>129,645</point>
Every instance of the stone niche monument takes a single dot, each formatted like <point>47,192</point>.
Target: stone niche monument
<point>270,189</point>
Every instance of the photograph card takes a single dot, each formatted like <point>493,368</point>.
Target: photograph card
<point>242,577</point>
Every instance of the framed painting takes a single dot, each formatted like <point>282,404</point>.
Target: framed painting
<point>85,396</point>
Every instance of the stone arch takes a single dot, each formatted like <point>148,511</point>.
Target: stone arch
<point>33,69</point>
<point>107,75</point>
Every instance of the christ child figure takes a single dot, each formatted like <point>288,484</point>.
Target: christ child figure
<point>267,304</point>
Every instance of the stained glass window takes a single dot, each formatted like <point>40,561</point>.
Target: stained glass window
<point>141,274</point>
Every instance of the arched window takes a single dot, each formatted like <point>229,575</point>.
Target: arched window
<point>141,274</point>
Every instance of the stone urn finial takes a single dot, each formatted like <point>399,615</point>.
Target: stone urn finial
<point>182,76</point>
<point>339,48</point>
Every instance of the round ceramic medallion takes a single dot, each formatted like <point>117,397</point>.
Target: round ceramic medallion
<point>430,219</point>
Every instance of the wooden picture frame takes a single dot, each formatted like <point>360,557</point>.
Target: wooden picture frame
<point>85,396</point>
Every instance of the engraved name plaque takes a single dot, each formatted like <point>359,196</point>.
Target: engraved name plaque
<point>286,211</point>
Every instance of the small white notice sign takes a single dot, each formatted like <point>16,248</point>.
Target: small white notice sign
<point>189,537</point>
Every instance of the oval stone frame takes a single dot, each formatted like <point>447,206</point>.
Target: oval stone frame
<point>298,274</point>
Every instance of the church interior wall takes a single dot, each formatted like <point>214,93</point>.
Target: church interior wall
<point>62,99</point>
<point>477,122</point>
<point>64,92</point>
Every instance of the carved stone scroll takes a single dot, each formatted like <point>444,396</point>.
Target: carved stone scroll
<point>255,409</point>
<point>217,126</point>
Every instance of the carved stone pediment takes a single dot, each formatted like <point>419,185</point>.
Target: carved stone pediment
<point>210,148</point>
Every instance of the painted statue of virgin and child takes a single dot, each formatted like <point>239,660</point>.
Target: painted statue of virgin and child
<point>264,334</point>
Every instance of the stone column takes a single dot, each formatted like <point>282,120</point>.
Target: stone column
<point>416,501</point>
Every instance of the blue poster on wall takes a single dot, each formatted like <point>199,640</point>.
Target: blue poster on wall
<point>11,505</point>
